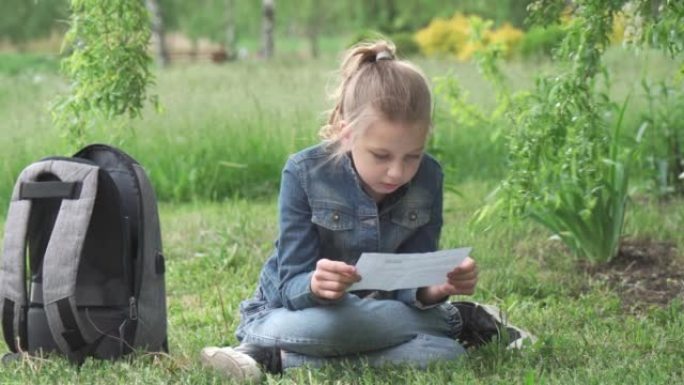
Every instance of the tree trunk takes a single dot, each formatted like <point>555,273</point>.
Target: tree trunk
<point>267,25</point>
<point>231,39</point>
<point>160,50</point>
<point>390,15</point>
<point>313,27</point>
<point>194,49</point>
<point>372,13</point>
<point>676,168</point>
<point>313,44</point>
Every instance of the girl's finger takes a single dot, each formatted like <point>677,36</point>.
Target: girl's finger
<point>332,286</point>
<point>462,277</point>
<point>329,294</point>
<point>467,265</point>
<point>464,285</point>
<point>335,267</point>
<point>334,277</point>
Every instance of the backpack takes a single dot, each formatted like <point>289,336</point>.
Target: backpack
<point>82,269</point>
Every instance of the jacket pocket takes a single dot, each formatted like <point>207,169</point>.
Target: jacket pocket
<point>332,216</point>
<point>410,217</point>
<point>252,306</point>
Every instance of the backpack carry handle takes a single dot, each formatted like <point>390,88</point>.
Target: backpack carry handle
<point>49,189</point>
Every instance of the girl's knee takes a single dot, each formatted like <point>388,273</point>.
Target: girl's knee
<point>346,327</point>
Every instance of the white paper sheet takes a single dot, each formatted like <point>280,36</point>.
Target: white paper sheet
<point>387,271</point>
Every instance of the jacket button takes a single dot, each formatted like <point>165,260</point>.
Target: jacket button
<point>413,216</point>
<point>336,217</point>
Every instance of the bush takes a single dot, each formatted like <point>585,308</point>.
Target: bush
<point>507,36</point>
<point>444,37</point>
<point>456,37</point>
<point>406,44</point>
<point>366,35</point>
<point>662,135</point>
<point>541,41</point>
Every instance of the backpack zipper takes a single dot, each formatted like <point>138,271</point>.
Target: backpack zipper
<point>132,309</point>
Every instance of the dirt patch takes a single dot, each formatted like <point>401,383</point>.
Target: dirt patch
<point>645,273</point>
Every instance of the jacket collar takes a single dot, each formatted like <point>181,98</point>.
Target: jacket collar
<point>389,201</point>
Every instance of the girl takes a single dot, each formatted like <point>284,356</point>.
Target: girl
<point>368,187</point>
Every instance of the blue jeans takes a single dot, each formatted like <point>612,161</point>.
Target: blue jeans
<point>353,330</point>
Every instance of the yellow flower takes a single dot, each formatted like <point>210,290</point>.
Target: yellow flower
<point>455,37</point>
<point>619,23</point>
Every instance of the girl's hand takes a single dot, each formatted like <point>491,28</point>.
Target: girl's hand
<point>461,280</point>
<point>331,279</point>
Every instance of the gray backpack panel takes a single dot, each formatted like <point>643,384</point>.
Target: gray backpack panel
<point>152,324</point>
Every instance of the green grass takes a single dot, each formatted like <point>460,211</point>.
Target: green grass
<point>215,252</point>
<point>226,130</point>
<point>23,63</point>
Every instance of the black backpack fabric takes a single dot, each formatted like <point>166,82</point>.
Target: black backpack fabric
<point>82,270</point>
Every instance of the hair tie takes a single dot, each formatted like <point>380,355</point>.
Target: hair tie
<point>383,55</point>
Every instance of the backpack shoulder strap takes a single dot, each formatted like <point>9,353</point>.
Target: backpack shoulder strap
<point>63,252</point>
<point>13,270</point>
<point>63,256</point>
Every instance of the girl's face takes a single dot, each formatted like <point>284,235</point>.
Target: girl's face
<point>386,155</point>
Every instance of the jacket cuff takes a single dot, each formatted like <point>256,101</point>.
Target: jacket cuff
<point>299,295</point>
<point>410,297</point>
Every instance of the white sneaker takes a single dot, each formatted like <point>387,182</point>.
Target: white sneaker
<point>232,363</point>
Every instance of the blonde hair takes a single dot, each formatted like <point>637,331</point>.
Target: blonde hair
<point>375,85</point>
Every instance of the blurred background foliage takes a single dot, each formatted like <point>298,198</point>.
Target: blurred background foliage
<point>205,103</point>
<point>27,21</point>
<point>202,28</point>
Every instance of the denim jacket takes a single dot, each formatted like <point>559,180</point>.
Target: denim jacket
<point>325,213</point>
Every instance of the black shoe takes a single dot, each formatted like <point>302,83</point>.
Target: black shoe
<point>485,323</point>
<point>243,363</point>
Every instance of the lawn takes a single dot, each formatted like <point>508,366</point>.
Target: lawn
<point>586,335</point>
<point>214,156</point>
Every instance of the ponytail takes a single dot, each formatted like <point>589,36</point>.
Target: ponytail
<point>357,56</point>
